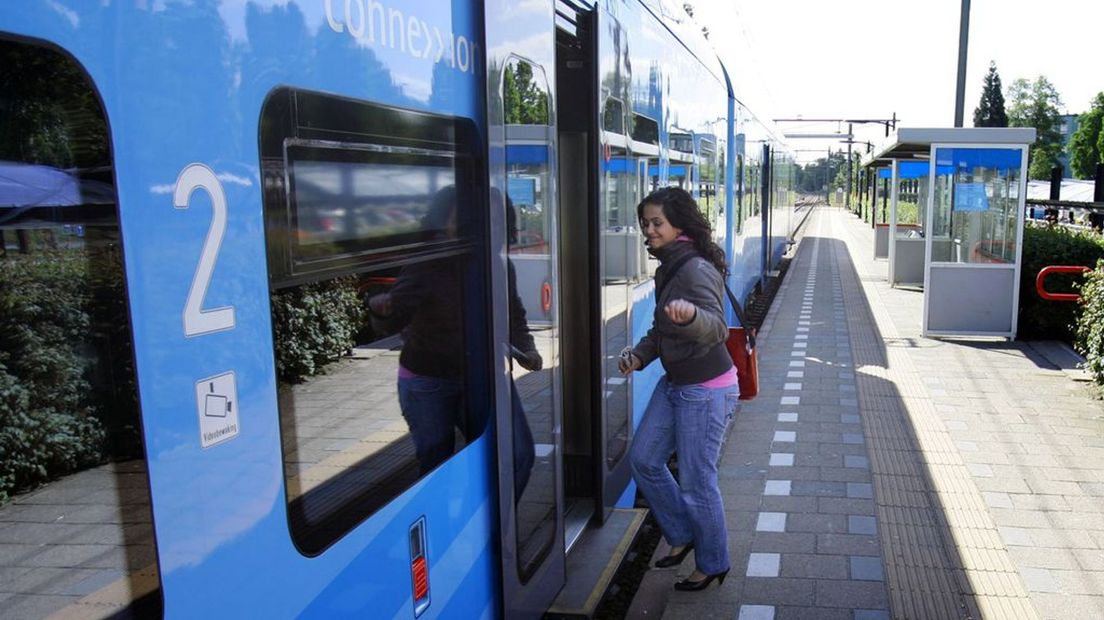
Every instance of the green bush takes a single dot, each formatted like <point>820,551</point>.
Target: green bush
<point>1090,325</point>
<point>1053,245</point>
<point>47,423</point>
<point>314,324</point>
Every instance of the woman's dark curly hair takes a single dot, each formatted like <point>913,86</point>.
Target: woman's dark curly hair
<point>682,212</point>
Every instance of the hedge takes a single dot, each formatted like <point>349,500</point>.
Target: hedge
<point>1090,325</point>
<point>47,422</point>
<point>1053,245</point>
<point>315,324</point>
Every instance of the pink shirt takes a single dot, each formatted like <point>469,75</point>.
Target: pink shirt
<point>723,380</point>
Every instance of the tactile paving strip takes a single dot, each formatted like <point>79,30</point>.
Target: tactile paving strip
<point>943,554</point>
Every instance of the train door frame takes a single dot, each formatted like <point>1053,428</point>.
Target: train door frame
<point>582,154</point>
<point>524,593</point>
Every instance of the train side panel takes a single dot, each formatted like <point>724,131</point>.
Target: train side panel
<point>183,86</point>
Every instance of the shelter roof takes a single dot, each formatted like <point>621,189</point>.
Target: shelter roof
<point>915,143</point>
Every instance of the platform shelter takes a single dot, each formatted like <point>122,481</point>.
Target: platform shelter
<point>956,223</point>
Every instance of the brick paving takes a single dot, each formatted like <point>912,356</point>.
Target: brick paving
<point>884,475</point>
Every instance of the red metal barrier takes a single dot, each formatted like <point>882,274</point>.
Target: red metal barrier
<point>1046,271</point>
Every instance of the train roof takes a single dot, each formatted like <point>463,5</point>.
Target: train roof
<point>743,89</point>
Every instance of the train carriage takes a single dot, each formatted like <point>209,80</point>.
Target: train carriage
<point>339,291</point>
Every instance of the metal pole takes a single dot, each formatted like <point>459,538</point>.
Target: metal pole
<point>963,38</point>
<point>847,201</point>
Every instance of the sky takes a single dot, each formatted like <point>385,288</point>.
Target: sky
<point>874,58</point>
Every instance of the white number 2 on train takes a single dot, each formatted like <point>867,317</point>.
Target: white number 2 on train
<point>198,321</point>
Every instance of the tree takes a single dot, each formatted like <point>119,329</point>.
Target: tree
<point>1037,104</point>
<point>1085,146</point>
<point>990,111</point>
<point>526,101</point>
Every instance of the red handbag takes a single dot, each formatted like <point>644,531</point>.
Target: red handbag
<point>741,346</point>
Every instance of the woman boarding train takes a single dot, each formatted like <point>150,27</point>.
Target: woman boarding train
<point>692,405</point>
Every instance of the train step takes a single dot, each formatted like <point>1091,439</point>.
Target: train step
<point>593,562</point>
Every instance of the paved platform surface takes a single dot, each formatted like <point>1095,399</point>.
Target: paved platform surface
<point>884,475</point>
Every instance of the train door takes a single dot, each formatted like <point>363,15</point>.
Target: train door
<point>522,174</point>
<point>604,178</point>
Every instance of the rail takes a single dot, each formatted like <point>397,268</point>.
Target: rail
<point>1046,271</point>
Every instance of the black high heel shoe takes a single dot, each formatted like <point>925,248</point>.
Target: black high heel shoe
<point>675,558</point>
<point>691,586</point>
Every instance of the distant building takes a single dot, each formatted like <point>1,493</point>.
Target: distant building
<point>1067,124</point>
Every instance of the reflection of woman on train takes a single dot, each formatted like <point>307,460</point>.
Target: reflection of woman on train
<point>524,353</point>
<point>425,304</point>
<point>691,406</point>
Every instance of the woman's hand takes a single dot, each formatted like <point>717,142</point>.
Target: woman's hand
<point>530,360</point>
<point>681,311</point>
<point>628,362</point>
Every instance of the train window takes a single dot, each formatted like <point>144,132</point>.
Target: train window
<point>645,129</point>
<point>741,193</point>
<point>72,463</point>
<point>683,142</point>
<point>373,225</point>
<point>613,116</point>
<point>354,182</point>
<point>348,198</point>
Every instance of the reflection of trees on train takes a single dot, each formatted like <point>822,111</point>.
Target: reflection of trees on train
<point>68,395</point>
<point>68,374</point>
<point>526,103</point>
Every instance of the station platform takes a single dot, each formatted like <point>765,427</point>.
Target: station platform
<point>884,475</point>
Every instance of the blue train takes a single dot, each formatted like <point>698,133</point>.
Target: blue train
<point>342,285</point>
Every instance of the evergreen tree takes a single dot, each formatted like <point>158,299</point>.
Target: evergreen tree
<point>1086,142</point>
<point>990,111</point>
<point>1037,104</point>
<point>526,101</point>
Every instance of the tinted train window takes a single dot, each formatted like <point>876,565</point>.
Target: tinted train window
<point>350,199</point>
<point>644,129</point>
<point>613,116</point>
<point>376,257</point>
<point>74,490</point>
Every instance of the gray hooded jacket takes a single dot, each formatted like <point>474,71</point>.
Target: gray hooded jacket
<point>694,352</point>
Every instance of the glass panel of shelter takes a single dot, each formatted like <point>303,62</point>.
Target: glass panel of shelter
<point>912,194</point>
<point>975,202</point>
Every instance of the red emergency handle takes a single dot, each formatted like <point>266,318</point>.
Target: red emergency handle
<point>1046,271</point>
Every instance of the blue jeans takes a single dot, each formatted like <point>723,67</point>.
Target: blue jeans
<point>433,409</point>
<point>524,448</point>
<point>692,420</point>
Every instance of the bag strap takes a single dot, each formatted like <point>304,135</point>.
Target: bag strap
<point>731,297</point>
<point>740,315</point>
<point>670,275</point>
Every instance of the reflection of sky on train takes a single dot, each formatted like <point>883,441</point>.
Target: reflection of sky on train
<point>410,52</point>
<point>525,16</point>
